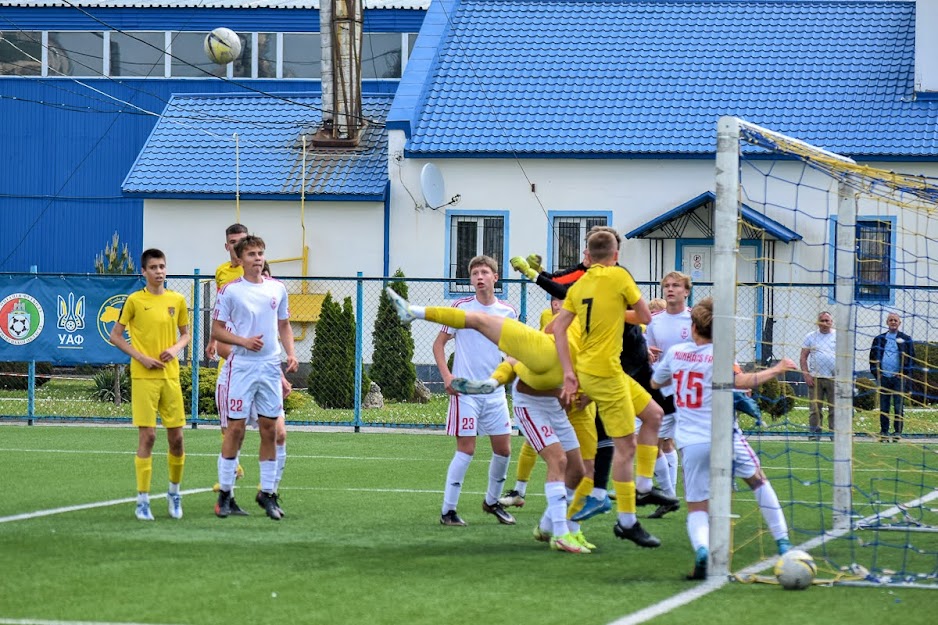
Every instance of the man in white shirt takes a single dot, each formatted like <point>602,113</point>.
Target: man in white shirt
<point>470,415</point>
<point>250,314</point>
<point>818,362</point>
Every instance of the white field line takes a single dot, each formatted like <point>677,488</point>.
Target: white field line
<point>682,599</point>
<point>771,469</point>
<point>87,506</point>
<point>116,502</point>
<point>643,615</point>
<point>215,455</point>
<point>32,621</point>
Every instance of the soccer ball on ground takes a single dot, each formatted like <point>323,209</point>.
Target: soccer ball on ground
<point>795,570</point>
<point>222,46</point>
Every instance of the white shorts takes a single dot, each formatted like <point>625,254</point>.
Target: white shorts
<point>221,401</point>
<point>478,415</point>
<point>543,422</point>
<point>667,426</point>
<point>695,460</point>
<point>251,388</point>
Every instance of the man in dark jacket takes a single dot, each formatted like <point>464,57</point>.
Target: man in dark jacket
<point>892,360</point>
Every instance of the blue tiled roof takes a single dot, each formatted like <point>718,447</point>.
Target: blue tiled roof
<point>192,150</point>
<point>630,78</point>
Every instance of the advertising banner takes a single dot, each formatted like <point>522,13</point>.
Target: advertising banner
<point>65,320</point>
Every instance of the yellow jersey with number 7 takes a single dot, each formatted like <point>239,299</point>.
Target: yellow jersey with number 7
<point>599,300</point>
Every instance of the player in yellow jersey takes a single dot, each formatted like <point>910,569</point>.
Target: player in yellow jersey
<point>599,302</point>
<point>538,414</point>
<point>158,323</point>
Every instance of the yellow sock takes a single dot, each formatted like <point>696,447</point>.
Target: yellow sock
<point>625,496</point>
<point>526,461</point>
<point>584,488</point>
<point>645,456</point>
<point>503,374</point>
<point>144,470</point>
<point>176,464</point>
<point>448,316</point>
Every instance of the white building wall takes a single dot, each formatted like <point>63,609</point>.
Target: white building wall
<point>635,192</point>
<point>343,237</point>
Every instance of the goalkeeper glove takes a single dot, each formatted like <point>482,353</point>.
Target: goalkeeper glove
<point>534,261</point>
<point>521,265</point>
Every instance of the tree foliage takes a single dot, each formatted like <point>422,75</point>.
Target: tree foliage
<point>331,379</point>
<point>393,368</point>
<point>775,397</point>
<point>114,259</point>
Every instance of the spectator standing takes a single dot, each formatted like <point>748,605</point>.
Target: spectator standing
<point>892,358</point>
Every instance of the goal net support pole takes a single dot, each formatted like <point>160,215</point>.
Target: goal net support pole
<point>724,331</point>
<point>844,323</point>
<point>726,243</point>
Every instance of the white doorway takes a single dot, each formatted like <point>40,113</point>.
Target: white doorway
<point>696,261</point>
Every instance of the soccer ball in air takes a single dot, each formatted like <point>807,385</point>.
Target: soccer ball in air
<point>795,570</point>
<point>222,46</point>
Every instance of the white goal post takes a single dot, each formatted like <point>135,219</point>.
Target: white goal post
<point>732,133</point>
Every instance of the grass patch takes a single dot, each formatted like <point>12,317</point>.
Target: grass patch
<point>361,541</point>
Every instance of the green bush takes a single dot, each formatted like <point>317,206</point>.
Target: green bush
<point>925,378</point>
<point>104,384</point>
<point>864,394</point>
<point>296,400</point>
<point>332,376</point>
<point>208,377</point>
<point>393,367</point>
<point>20,382</point>
<point>775,398</point>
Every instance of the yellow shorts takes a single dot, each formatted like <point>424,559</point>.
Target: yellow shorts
<point>584,424</point>
<point>618,399</point>
<point>536,352</point>
<point>149,396</point>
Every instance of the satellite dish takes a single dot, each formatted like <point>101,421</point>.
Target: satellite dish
<point>431,183</point>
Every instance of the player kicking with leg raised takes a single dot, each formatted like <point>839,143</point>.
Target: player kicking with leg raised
<point>539,370</point>
<point>537,352</point>
<point>689,366</point>
<point>250,314</point>
<point>158,321</point>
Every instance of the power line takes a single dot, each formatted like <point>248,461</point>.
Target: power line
<point>68,179</point>
<point>207,73</point>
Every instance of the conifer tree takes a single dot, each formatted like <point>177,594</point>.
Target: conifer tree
<point>115,260</point>
<point>331,379</point>
<point>393,368</point>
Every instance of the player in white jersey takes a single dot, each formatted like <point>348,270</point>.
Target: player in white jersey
<point>473,415</point>
<point>221,401</point>
<point>250,314</point>
<point>689,366</point>
<point>668,327</point>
